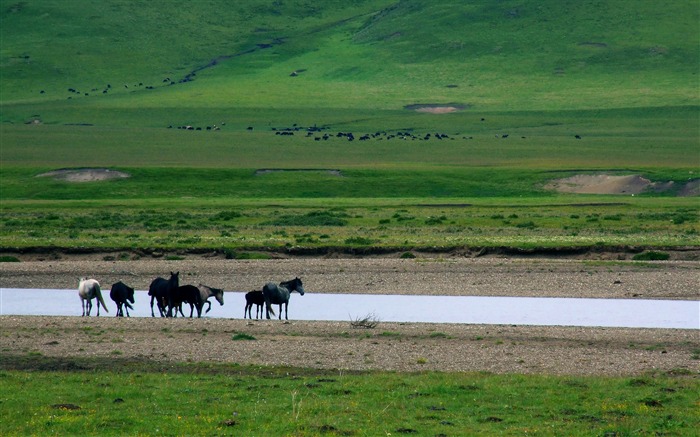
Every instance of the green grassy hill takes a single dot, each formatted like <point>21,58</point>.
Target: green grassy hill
<point>353,54</point>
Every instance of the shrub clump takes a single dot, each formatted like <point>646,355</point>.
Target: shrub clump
<point>313,218</point>
<point>651,256</point>
<point>242,336</point>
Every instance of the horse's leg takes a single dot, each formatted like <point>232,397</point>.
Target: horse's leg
<point>98,306</point>
<point>82,304</point>
<point>286,306</point>
<point>280,317</point>
<point>161,305</point>
<point>258,309</point>
<point>89,306</point>
<point>152,313</point>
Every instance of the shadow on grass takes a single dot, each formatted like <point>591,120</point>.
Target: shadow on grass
<point>42,363</point>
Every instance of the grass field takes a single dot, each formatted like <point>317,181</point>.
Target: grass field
<point>132,398</point>
<point>544,92</point>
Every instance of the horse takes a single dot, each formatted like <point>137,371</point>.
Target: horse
<point>122,294</point>
<point>160,291</point>
<point>254,297</point>
<point>89,289</point>
<point>279,294</point>
<point>207,292</point>
<point>186,294</point>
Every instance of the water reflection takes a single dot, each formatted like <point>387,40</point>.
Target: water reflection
<point>403,308</point>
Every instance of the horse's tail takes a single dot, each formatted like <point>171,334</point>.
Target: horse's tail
<point>99,298</point>
<point>268,305</point>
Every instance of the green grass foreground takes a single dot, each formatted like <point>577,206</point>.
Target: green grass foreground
<point>129,398</point>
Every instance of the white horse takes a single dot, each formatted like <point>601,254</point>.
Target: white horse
<point>89,289</point>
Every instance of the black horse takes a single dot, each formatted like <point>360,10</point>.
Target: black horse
<point>122,294</point>
<point>279,294</point>
<point>254,297</point>
<point>161,290</point>
<point>186,294</point>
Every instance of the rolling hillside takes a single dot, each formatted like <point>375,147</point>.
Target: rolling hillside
<point>560,85</point>
<point>486,55</point>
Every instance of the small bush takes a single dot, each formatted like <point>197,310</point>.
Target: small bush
<point>226,215</point>
<point>242,336</point>
<point>435,220</point>
<point>407,255</point>
<point>651,256</point>
<point>251,255</point>
<point>359,241</point>
<point>369,321</point>
<point>8,259</point>
<point>314,218</point>
<point>526,225</point>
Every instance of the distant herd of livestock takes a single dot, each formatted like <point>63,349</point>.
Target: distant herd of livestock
<point>169,296</point>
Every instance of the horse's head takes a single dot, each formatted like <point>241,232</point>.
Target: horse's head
<point>130,294</point>
<point>218,295</point>
<point>175,278</point>
<point>298,286</point>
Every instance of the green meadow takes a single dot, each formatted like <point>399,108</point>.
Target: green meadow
<point>543,91</point>
<point>118,397</point>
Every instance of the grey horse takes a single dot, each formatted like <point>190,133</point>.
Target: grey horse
<point>206,292</point>
<point>279,294</point>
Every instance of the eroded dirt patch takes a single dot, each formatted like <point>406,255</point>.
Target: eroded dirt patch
<point>330,171</point>
<point>437,108</point>
<point>627,184</point>
<point>85,174</point>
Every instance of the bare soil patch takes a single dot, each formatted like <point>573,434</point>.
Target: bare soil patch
<point>611,184</point>
<point>337,346</point>
<point>330,171</point>
<point>458,276</point>
<point>85,174</point>
<point>436,108</point>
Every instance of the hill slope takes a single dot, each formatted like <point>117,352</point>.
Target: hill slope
<point>351,54</point>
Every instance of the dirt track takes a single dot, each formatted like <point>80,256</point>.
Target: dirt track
<point>389,346</point>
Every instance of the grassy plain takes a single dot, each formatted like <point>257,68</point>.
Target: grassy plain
<point>123,397</point>
<point>114,81</point>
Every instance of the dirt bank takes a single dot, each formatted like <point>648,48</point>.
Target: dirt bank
<point>336,345</point>
<point>389,346</point>
<point>421,276</point>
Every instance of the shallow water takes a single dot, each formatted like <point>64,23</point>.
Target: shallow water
<point>632,313</point>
